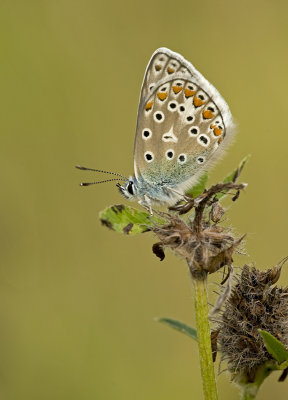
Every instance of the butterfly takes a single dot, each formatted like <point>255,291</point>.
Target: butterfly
<point>183,127</point>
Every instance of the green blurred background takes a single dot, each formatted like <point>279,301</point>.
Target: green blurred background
<point>77,301</point>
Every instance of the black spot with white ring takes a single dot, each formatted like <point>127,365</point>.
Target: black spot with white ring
<point>172,106</point>
<point>158,116</point>
<point>149,156</point>
<point>204,140</point>
<point>146,133</point>
<point>182,158</point>
<point>189,118</point>
<point>193,131</point>
<point>169,154</point>
<point>200,160</point>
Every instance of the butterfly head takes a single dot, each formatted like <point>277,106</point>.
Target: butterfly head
<point>129,189</point>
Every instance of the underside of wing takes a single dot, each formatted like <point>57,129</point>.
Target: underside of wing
<point>165,64</point>
<point>181,129</point>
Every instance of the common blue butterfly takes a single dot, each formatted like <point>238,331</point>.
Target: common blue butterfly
<point>183,126</point>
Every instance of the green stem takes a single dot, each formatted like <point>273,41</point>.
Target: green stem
<point>249,392</point>
<point>204,338</point>
<point>250,389</point>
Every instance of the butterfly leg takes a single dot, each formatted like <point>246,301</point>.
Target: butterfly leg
<point>182,208</point>
<point>146,203</point>
<point>186,198</point>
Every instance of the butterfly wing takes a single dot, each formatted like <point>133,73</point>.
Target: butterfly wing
<point>183,123</point>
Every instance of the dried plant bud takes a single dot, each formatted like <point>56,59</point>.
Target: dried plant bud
<point>253,304</point>
<point>209,251</point>
<point>206,247</point>
<point>217,211</point>
<point>157,249</point>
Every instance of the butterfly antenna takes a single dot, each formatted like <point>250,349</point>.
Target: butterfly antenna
<point>95,183</point>
<point>100,170</point>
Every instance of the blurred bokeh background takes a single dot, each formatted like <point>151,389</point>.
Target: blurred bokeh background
<point>77,301</point>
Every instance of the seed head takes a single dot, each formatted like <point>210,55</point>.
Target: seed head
<point>254,304</point>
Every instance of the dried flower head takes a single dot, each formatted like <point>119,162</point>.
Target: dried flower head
<point>204,244</point>
<point>254,304</point>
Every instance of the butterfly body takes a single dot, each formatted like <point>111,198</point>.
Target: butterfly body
<point>160,191</point>
<point>183,125</point>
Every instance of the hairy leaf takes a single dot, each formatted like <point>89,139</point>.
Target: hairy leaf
<point>128,220</point>
<point>233,176</point>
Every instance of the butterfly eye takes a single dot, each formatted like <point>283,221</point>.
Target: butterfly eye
<point>146,133</point>
<point>158,116</point>
<point>203,140</point>
<point>182,158</point>
<point>193,131</point>
<point>149,156</point>
<point>130,188</point>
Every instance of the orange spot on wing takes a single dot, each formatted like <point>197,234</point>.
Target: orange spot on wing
<point>198,102</point>
<point>217,131</point>
<point>212,126</point>
<point>162,96</point>
<point>149,106</point>
<point>170,70</point>
<point>157,67</point>
<point>220,140</point>
<point>189,93</point>
<point>207,114</point>
<point>177,89</point>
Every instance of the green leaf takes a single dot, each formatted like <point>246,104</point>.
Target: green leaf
<point>199,187</point>
<point>128,220</point>
<point>274,346</point>
<point>179,326</point>
<point>233,176</point>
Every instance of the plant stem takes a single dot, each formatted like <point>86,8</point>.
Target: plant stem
<point>250,389</point>
<point>249,393</point>
<point>204,338</point>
